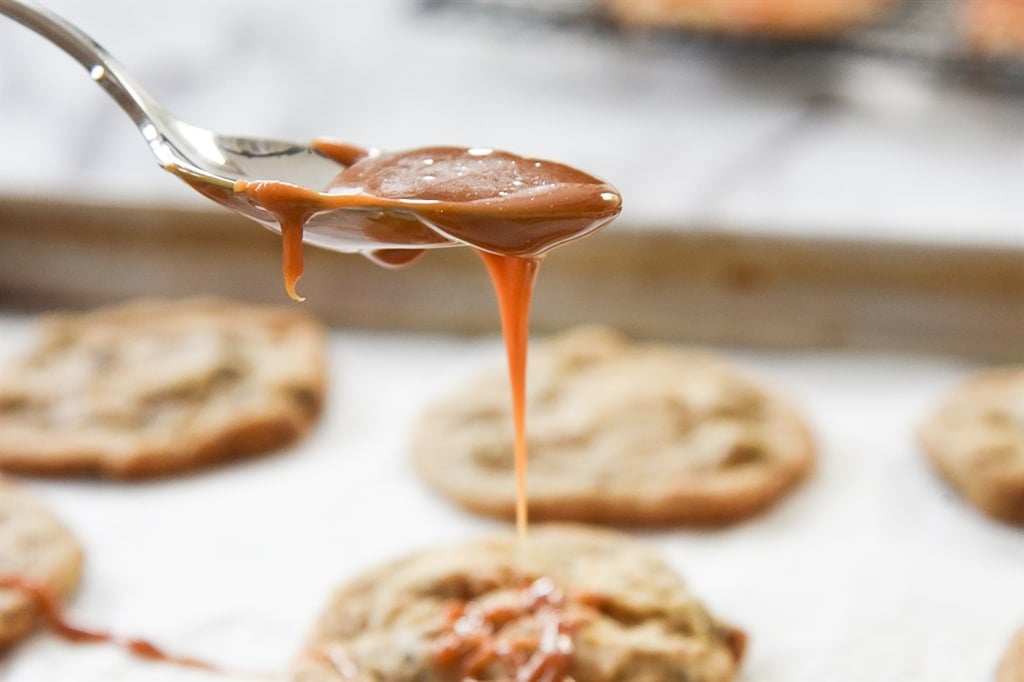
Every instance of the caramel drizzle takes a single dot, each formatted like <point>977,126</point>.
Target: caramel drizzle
<point>473,638</point>
<point>513,279</point>
<point>582,205</point>
<point>55,619</point>
<point>292,207</point>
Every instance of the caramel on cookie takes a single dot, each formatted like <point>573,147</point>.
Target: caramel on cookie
<point>573,603</point>
<point>33,546</point>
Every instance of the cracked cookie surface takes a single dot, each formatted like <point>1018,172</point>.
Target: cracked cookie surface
<point>627,617</point>
<point>160,387</point>
<point>618,433</point>
<point>34,546</point>
<point>975,440</point>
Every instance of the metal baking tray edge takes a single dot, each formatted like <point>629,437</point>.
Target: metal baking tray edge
<point>698,285</point>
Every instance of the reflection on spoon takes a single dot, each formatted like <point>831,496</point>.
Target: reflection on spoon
<point>405,202</point>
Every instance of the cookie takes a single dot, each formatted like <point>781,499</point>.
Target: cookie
<point>34,546</point>
<point>160,387</point>
<point>618,433</point>
<point>975,440</point>
<point>1011,669</point>
<point>571,604</point>
<point>994,28</point>
<point>776,18</point>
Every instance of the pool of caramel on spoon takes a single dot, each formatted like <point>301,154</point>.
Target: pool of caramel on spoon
<point>510,209</point>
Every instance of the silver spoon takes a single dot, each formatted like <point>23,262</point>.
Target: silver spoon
<point>210,162</point>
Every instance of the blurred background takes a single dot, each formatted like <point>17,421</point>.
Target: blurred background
<point>856,194</point>
<point>888,131</point>
<point>832,174</point>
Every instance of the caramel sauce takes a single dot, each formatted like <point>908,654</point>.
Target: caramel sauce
<point>511,209</point>
<point>292,206</point>
<point>53,615</point>
<point>434,197</point>
<point>344,153</point>
<point>530,641</point>
<point>513,279</point>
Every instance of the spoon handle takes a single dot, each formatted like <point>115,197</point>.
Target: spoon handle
<point>102,67</point>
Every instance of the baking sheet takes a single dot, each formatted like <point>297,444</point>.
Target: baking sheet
<point>704,284</point>
<point>872,570</point>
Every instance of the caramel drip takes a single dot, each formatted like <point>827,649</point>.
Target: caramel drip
<point>513,279</point>
<point>487,199</point>
<point>342,152</point>
<point>53,615</point>
<point>291,255</point>
<point>509,208</point>
<point>292,206</point>
<point>531,641</point>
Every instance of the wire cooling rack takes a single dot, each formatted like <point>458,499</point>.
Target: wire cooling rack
<point>925,33</point>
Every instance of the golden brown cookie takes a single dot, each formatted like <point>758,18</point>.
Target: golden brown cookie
<point>574,603</point>
<point>159,387</point>
<point>776,18</point>
<point>975,439</point>
<point>34,546</point>
<point>618,433</point>
<point>1011,669</point>
<point>994,28</point>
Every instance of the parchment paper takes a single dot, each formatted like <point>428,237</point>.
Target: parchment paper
<point>872,571</point>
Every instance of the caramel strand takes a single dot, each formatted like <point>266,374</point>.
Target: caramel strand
<point>343,153</point>
<point>292,206</point>
<point>513,279</point>
<point>53,616</point>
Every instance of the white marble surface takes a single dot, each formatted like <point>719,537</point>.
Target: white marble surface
<point>872,571</point>
<point>829,147</point>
